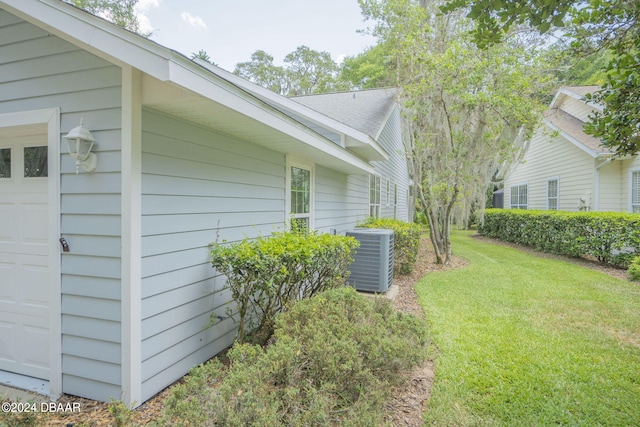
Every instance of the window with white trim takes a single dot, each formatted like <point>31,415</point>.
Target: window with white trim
<point>300,196</point>
<point>519,196</point>
<point>635,191</point>
<point>553,187</point>
<point>374,196</point>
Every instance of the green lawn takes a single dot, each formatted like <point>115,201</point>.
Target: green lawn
<point>529,341</point>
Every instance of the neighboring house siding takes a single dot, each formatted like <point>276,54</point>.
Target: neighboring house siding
<point>394,169</point>
<point>38,70</point>
<point>543,160</point>
<point>611,195</point>
<point>198,187</point>
<point>341,200</point>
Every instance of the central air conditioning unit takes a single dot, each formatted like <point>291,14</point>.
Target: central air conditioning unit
<point>372,267</point>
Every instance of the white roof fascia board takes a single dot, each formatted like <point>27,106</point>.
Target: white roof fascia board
<point>101,37</point>
<point>574,141</point>
<point>281,102</point>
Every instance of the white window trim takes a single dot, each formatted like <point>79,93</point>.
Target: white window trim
<point>631,172</point>
<point>519,185</point>
<point>557,179</point>
<point>293,162</point>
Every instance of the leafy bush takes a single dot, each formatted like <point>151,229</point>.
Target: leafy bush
<point>610,237</point>
<point>634,269</point>
<point>268,273</point>
<point>406,241</point>
<point>333,361</point>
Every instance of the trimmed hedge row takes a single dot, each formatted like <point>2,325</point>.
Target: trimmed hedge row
<point>406,241</point>
<point>610,237</point>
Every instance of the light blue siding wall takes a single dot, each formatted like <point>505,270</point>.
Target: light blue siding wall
<point>341,201</point>
<point>198,187</point>
<point>38,70</point>
<point>395,170</point>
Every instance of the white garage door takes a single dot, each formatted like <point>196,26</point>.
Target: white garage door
<point>24,260</point>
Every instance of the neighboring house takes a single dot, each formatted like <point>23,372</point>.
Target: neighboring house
<point>563,168</point>
<point>187,154</point>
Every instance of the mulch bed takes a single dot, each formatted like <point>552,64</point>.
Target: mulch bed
<point>408,403</point>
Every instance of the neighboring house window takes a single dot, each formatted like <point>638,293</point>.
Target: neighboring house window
<point>519,196</point>
<point>552,194</point>
<point>300,196</point>
<point>374,196</point>
<point>635,191</point>
<point>388,192</point>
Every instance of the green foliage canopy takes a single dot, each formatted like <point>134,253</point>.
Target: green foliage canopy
<point>305,71</point>
<point>120,12</point>
<point>465,107</point>
<point>591,25</point>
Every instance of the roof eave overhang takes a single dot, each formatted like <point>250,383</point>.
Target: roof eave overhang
<point>366,146</point>
<point>576,96</point>
<point>574,141</point>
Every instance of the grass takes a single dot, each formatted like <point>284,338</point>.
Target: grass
<point>530,341</point>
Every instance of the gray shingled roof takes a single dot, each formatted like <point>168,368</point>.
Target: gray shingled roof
<point>574,127</point>
<point>364,110</point>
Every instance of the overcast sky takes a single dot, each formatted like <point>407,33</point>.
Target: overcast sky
<point>230,31</point>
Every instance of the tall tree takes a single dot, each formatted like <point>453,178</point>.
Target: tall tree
<point>305,71</point>
<point>120,12</point>
<point>374,68</point>
<point>592,25</point>
<point>468,109</point>
<point>262,71</point>
<point>310,71</point>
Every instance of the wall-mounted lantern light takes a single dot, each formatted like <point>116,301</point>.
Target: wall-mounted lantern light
<point>80,143</point>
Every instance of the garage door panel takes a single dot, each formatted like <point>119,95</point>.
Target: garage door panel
<point>24,266</point>
<point>36,347</point>
<point>37,216</point>
<point>9,274</point>
<point>9,223</point>
<point>8,343</point>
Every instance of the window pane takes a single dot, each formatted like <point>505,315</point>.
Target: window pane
<point>300,190</point>
<point>552,190</point>
<point>635,189</point>
<point>35,162</point>
<point>5,162</point>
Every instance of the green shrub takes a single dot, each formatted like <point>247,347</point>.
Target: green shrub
<point>406,241</point>
<point>333,361</point>
<point>634,269</point>
<point>268,273</point>
<point>610,237</point>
